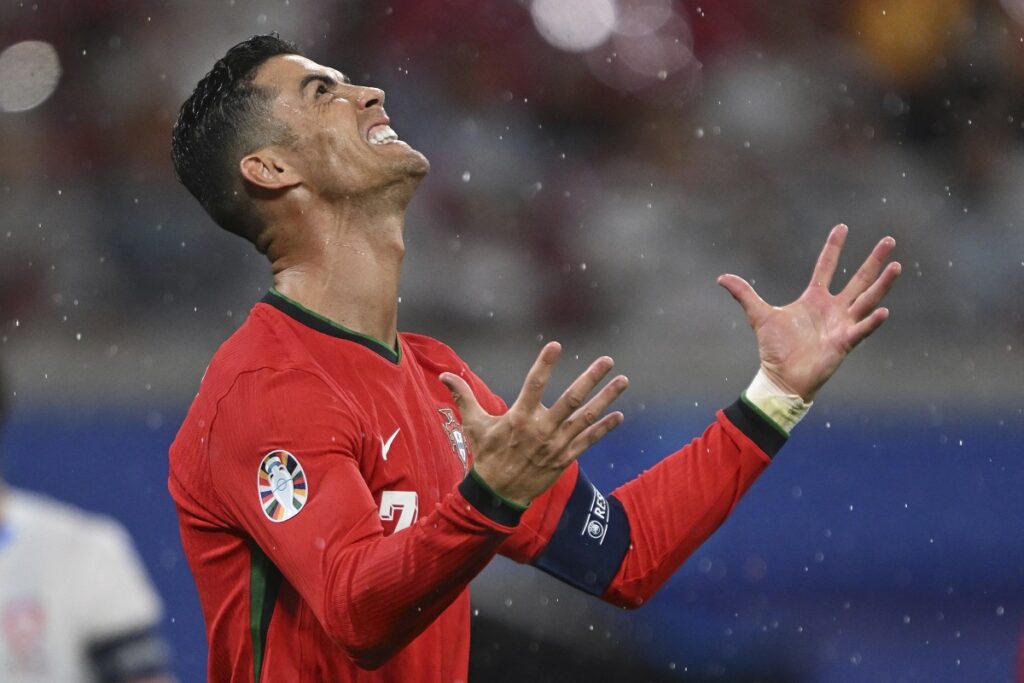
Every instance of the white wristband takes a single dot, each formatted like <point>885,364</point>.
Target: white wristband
<point>773,403</point>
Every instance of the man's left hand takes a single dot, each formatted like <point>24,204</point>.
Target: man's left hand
<point>802,344</point>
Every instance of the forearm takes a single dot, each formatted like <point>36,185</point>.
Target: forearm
<point>384,592</point>
<point>676,505</point>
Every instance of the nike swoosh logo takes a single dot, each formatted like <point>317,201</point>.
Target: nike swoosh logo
<point>385,446</point>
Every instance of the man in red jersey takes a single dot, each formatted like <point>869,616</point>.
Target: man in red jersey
<point>338,484</point>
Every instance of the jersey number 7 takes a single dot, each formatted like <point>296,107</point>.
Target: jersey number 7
<point>405,502</point>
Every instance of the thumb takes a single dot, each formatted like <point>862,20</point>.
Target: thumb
<point>464,397</point>
<point>754,306</point>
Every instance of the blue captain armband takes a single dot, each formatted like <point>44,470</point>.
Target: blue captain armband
<point>590,541</point>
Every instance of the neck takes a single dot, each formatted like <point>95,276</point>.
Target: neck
<point>345,263</point>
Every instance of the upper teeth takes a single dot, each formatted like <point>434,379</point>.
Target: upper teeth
<point>381,135</point>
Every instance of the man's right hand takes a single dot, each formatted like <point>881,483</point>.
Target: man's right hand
<point>522,453</point>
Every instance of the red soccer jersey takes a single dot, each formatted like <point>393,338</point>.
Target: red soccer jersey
<point>310,447</point>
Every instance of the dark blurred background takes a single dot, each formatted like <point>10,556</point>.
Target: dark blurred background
<point>595,164</point>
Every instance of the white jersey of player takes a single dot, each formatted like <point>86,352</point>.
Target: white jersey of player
<point>70,582</point>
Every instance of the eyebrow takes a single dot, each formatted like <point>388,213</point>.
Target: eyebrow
<point>322,78</point>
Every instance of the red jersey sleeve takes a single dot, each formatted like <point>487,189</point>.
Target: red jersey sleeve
<point>624,547</point>
<point>540,520</point>
<point>282,458</point>
<point>676,505</point>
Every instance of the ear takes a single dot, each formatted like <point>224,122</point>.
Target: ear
<point>268,170</point>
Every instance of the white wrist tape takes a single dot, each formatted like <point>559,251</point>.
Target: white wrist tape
<point>782,409</point>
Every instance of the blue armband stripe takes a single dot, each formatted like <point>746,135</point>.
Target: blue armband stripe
<point>590,541</point>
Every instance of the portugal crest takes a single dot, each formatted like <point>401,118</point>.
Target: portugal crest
<point>455,438</point>
<point>282,486</point>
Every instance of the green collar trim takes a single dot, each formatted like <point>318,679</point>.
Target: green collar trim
<point>300,313</point>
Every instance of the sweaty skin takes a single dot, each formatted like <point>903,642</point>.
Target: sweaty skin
<point>334,204</point>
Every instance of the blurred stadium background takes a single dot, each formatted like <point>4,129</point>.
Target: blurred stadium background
<point>596,163</point>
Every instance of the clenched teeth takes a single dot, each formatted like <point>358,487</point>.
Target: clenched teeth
<point>381,135</point>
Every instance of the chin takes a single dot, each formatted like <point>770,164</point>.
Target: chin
<point>416,164</point>
<point>405,173</point>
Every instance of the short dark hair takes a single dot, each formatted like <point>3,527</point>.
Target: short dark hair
<point>226,117</point>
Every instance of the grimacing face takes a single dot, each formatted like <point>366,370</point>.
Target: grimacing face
<point>342,144</point>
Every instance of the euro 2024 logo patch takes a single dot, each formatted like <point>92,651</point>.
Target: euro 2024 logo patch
<point>282,485</point>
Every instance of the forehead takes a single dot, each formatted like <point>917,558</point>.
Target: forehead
<point>287,71</point>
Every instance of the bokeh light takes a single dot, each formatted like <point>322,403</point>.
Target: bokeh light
<point>574,25</point>
<point>595,165</point>
<point>638,18</point>
<point>1014,8</point>
<point>29,72</point>
<point>629,45</point>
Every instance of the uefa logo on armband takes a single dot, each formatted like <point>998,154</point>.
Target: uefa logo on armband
<point>282,486</point>
<point>596,524</point>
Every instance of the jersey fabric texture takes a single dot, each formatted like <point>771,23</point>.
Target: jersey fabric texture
<point>332,522</point>
<point>76,605</point>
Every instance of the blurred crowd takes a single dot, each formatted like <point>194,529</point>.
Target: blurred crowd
<point>595,164</point>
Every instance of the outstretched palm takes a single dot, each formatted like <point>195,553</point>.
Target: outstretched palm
<point>802,344</point>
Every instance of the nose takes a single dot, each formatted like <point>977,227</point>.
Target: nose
<point>371,97</point>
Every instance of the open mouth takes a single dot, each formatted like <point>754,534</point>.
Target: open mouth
<point>381,134</point>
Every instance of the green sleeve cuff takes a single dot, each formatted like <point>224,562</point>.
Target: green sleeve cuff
<point>505,501</point>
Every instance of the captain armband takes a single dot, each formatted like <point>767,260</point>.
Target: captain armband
<point>590,541</point>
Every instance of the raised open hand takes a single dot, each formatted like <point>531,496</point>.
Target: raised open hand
<point>802,344</point>
<point>522,453</point>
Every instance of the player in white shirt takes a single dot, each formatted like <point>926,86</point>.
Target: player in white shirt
<point>76,605</point>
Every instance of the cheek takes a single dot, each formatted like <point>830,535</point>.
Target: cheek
<point>336,158</point>
<point>339,138</point>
